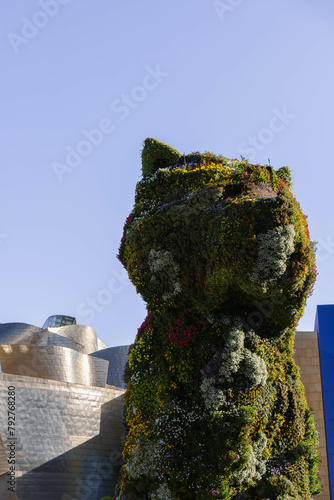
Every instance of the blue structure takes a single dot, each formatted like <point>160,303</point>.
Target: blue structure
<point>324,325</point>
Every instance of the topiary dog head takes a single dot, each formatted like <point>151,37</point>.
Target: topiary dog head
<point>216,236</point>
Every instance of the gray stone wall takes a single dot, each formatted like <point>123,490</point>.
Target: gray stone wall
<point>68,439</point>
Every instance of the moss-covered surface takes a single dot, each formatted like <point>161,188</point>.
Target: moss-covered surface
<point>214,408</point>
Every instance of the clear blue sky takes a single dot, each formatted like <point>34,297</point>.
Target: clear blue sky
<point>234,77</point>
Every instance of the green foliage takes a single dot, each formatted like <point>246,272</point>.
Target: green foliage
<point>220,251</point>
<point>156,154</point>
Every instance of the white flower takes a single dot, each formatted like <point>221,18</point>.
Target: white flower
<point>254,368</point>
<point>213,397</point>
<point>236,360</point>
<point>165,273</point>
<point>274,250</point>
<point>162,493</point>
<point>143,459</point>
<point>255,465</point>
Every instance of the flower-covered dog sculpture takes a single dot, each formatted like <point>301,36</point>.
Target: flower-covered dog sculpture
<point>220,252</point>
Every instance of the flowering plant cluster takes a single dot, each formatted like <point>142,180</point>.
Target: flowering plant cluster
<point>181,337</point>
<point>214,407</point>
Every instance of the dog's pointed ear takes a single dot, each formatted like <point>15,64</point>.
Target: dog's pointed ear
<point>285,174</point>
<point>156,154</point>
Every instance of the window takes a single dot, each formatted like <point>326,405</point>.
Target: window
<point>58,320</point>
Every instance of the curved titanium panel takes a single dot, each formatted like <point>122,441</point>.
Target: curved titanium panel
<point>117,357</point>
<point>52,339</point>
<point>84,335</point>
<point>22,333</point>
<point>101,345</point>
<point>19,333</point>
<point>55,363</point>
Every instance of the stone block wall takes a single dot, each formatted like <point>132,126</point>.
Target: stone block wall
<point>307,357</point>
<point>68,439</point>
